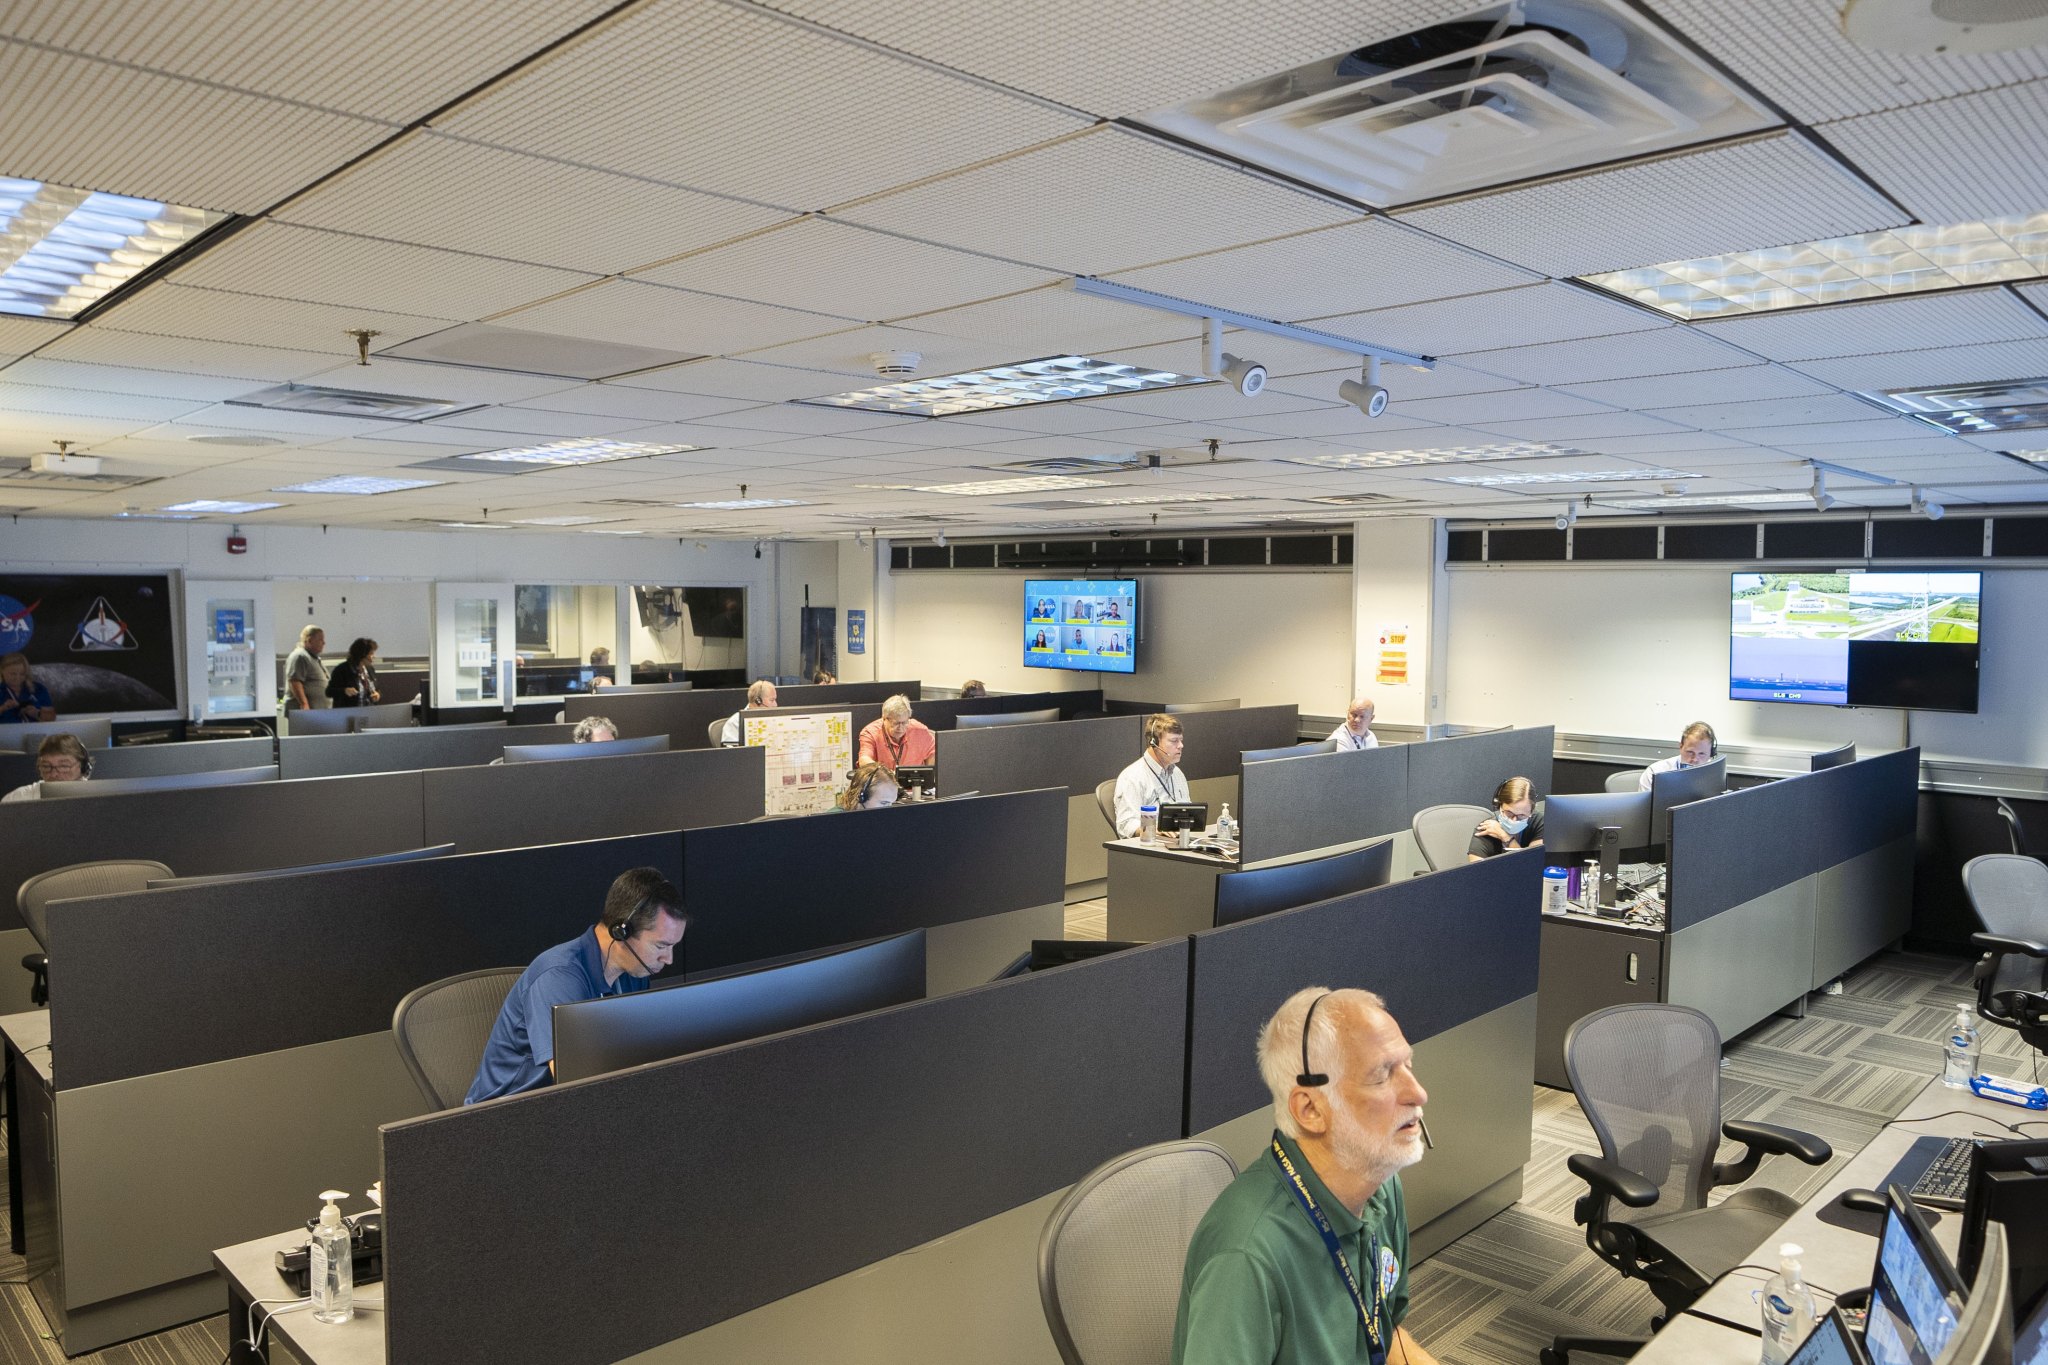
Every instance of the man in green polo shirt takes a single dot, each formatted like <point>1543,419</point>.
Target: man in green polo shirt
<point>1303,1260</point>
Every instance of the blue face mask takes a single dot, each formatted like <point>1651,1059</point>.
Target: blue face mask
<point>1512,825</point>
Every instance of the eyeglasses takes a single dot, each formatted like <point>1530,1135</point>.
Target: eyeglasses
<point>60,768</point>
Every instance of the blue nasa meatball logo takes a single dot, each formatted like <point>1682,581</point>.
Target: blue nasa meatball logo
<point>17,624</point>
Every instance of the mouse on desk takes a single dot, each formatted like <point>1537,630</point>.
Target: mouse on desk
<point>1862,1201</point>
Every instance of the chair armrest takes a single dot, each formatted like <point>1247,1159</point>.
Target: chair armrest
<point>1613,1181</point>
<point>1998,943</point>
<point>1767,1139</point>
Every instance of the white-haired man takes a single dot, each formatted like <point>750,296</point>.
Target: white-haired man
<point>896,740</point>
<point>1305,1256</point>
<point>760,697</point>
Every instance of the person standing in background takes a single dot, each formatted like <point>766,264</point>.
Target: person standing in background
<point>22,698</point>
<point>305,677</point>
<point>354,681</point>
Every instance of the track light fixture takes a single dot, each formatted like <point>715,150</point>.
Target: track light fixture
<point>939,539</point>
<point>1247,377</point>
<point>1933,511</point>
<point>1822,499</point>
<point>860,541</point>
<point>1569,517</point>
<point>1364,392</point>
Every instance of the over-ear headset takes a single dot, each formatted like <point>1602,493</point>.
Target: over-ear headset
<point>622,931</point>
<point>860,798</point>
<point>1308,1077</point>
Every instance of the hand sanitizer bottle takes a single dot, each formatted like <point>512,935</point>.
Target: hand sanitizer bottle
<point>1787,1306</point>
<point>1959,1052</point>
<point>1226,826</point>
<point>332,1263</point>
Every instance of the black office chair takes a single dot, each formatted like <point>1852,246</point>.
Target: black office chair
<point>442,1027</point>
<point>2009,893</point>
<point>1649,1080</point>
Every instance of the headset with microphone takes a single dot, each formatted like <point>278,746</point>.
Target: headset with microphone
<point>1311,1078</point>
<point>622,931</point>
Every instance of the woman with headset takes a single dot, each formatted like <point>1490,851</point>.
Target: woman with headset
<point>1515,822</point>
<point>59,758</point>
<point>1695,746</point>
<point>868,787</point>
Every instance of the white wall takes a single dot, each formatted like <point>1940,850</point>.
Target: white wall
<point>1264,637</point>
<point>1640,652</point>
<point>798,565</point>
<point>398,616</point>
<point>1398,607</point>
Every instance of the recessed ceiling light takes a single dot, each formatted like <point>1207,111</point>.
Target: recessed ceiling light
<point>1973,409</point>
<point>224,506</point>
<point>1394,459</point>
<point>743,504</point>
<point>1055,379</point>
<point>358,485</point>
<point>1713,500</point>
<point>560,521</point>
<point>1904,260</point>
<point>475,525</point>
<point>67,248</point>
<point>2030,456</point>
<point>239,442</point>
<point>995,488</point>
<point>591,451</point>
<point>614,531</point>
<point>1564,476</point>
<point>157,516</point>
<point>1142,498</point>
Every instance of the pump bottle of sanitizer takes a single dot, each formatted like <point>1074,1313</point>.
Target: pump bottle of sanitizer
<point>332,1263</point>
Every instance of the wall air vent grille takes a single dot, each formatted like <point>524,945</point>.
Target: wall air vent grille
<point>1503,93</point>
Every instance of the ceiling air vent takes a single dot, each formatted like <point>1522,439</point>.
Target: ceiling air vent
<point>1119,463</point>
<point>382,407</point>
<point>18,473</point>
<point>1500,94</point>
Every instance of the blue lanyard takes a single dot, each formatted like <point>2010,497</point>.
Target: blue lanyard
<point>1165,786</point>
<point>1376,1348</point>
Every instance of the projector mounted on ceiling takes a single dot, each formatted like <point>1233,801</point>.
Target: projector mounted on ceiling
<point>1503,93</point>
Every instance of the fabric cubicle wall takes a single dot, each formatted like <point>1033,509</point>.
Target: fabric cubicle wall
<point>518,804</point>
<point>1074,754</point>
<point>390,751</point>
<point>1465,769</point>
<point>685,717</point>
<point>1216,738</point>
<point>1293,805</point>
<point>941,1114</point>
<point>147,760</point>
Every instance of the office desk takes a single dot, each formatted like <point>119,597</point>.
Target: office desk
<point>1586,963</point>
<point>250,1270</point>
<point>1157,891</point>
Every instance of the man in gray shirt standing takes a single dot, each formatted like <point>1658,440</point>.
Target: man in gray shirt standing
<point>305,677</point>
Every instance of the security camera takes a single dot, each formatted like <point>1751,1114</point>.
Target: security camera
<point>1364,392</point>
<point>1249,378</point>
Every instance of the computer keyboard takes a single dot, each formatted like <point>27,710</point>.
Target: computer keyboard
<point>1945,1183</point>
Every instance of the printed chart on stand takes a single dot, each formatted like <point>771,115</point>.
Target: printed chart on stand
<point>808,756</point>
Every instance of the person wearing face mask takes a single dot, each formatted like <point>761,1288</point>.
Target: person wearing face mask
<point>1695,746</point>
<point>1515,822</point>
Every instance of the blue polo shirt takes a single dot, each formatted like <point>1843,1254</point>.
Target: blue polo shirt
<point>522,1042</point>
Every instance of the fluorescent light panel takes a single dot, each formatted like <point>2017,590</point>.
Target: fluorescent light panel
<point>475,525</point>
<point>224,506</point>
<point>358,485</point>
<point>1904,260</point>
<point>1395,459</point>
<point>1565,476</point>
<point>1055,379</point>
<point>591,451</point>
<point>995,488</point>
<point>560,521</point>
<point>743,504</point>
<point>1143,498</point>
<point>1973,409</point>
<point>65,249</point>
<point>2030,456</point>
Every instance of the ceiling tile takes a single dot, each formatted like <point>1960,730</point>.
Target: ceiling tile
<point>1962,317</point>
<point>167,309</point>
<point>104,346</point>
<point>675,319</point>
<point>1945,365</point>
<point>1957,160</point>
<point>1482,322</point>
<point>1744,384</point>
<point>647,405</point>
<point>25,401</point>
<point>738,379</point>
<point>1674,350</point>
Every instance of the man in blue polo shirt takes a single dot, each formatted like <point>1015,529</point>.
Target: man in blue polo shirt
<point>637,937</point>
<point>1304,1257</point>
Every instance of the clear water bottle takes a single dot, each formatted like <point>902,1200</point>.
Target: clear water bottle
<point>1959,1052</point>
<point>1148,822</point>
<point>1788,1308</point>
<point>331,1262</point>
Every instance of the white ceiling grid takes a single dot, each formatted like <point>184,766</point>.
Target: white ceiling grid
<point>217,315</point>
<point>1958,160</point>
<point>673,319</point>
<point>1899,324</point>
<point>1484,322</point>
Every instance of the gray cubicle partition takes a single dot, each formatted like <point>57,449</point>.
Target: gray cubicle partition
<point>956,1117</point>
<point>517,804</point>
<point>1465,769</point>
<point>1454,956</point>
<point>686,716</point>
<point>150,760</point>
<point>985,875</point>
<point>390,751</point>
<point>1075,754</point>
<point>1865,816</point>
<point>227,1049</point>
<point>1292,805</point>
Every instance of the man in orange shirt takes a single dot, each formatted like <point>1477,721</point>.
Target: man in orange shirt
<point>896,739</point>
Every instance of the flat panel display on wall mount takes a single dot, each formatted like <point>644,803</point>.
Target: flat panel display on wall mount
<point>1087,625</point>
<point>1816,638</point>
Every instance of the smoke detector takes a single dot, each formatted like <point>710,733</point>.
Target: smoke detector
<point>896,364</point>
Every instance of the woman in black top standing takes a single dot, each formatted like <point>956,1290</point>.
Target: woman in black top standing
<point>354,680</point>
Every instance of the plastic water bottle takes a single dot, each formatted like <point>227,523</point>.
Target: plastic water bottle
<point>1959,1053</point>
<point>331,1261</point>
<point>1148,822</point>
<point>1788,1308</point>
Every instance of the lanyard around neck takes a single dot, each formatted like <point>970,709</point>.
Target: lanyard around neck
<point>1160,776</point>
<point>1376,1347</point>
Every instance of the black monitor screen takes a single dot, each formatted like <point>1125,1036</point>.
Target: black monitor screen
<point>915,776</point>
<point>1914,1291</point>
<point>1179,815</point>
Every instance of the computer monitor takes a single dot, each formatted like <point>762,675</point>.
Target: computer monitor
<point>984,719</point>
<point>1596,824</point>
<point>1264,890</point>
<point>1915,1293</point>
<point>1175,816</point>
<point>597,748</point>
<point>1832,758</point>
<point>1983,1334</point>
<point>115,786</point>
<point>2009,1186</point>
<point>1061,952</point>
<point>1676,788</point>
<point>1320,746</point>
<point>593,1037</point>
<point>94,732</point>
<point>916,777</point>
<point>1831,1342</point>
<point>410,855</point>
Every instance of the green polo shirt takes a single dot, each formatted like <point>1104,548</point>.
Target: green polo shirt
<point>1260,1288</point>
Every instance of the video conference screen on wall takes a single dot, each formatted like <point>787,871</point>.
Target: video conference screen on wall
<point>1903,640</point>
<point>1085,624</point>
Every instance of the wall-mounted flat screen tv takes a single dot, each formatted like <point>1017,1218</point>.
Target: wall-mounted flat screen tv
<point>1904,640</point>
<point>1086,624</point>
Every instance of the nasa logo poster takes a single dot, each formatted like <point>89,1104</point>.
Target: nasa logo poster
<point>99,642</point>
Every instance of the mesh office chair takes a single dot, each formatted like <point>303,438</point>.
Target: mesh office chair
<point>1444,833</point>
<point>1648,1078</point>
<point>1110,1257</point>
<point>442,1027</point>
<point>2009,893</point>
<point>62,883</point>
<point>1627,780</point>
<point>2014,832</point>
<point>1105,801</point>
<point>716,731</point>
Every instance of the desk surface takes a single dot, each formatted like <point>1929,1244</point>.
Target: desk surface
<point>28,1033</point>
<point>251,1270</point>
<point>1164,849</point>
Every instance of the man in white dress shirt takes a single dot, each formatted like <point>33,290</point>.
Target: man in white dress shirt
<point>1356,731</point>
<point>1155,778</point>
<point>1696,745</point>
